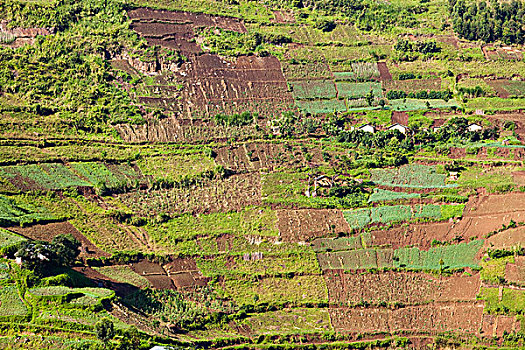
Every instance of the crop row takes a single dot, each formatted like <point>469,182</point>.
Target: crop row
<point>410,176</point>
<point>436,258</point>
<point>360,218</point>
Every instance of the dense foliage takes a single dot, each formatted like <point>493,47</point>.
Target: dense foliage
<point>489,20</point>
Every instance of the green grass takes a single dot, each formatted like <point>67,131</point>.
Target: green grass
<point>8,238</point>
<point>289,321</point>
<point>13,213</point>
<point>495,103</point>
<point>124,274</point>
<point>512,301</point>
<point>177,166</point>
<point>358,90</point>
<point>298,290</point>
<point>494,180</point>
<point>11,303</point>
<point>270,265</point>
<point>493,270</point>
<point>251,221</point>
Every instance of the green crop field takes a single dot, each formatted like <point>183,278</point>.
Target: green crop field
<point>358,90</point>
<point>205,174</point>
<point>411,176</point>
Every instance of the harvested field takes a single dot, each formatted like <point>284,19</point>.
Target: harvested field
<point>211,85</point>
<point>474,224</point>
<point>218,195</point>
<point>507,239</point>
<point>171,130</point>
<point>307,71</point>
<point>399,118</point>
<point>413,85</point>
<point>305,225</point>
<point>497,325</point>
<point>347,289</point>
<point>435,317</point>
<point>48,231</point>
<point>270,156</point>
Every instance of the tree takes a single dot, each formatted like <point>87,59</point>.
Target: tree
<point>370,98</point>
<point>66,248</point>
<point>105,330</point>
<point>130,339</point>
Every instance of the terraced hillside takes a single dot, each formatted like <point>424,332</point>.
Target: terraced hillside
<point>262,174</point>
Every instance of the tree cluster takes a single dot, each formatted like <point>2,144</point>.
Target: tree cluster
<point>489,20</point>
<point>443,95</point>
<point>40,256</point>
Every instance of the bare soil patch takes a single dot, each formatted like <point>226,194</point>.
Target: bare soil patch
<point>435,317</point>
<point>483,215</point>
<point>384,73</point>
<point>154,273</point>
<point>178,17</point>
<point>305,225</point>
<point>515,273</point>
<point>399,287</point>
<point>48,231</point>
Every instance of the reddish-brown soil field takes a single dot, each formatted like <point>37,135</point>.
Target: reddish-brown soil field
<point>507,239</point>
<point>400,118</point>
<point>48,231</point>
<point>516,272</point>
<point>305,225</point>
<point>384,73</point>
<point>212,85</point>
<point>496,325</point>
<point>482,215</point>
<point>184,273</point>
<point>177,17</point>
<point>154,273</point>
<point>399,287</point>
<point>499,87</point>
<point>465,317</point>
